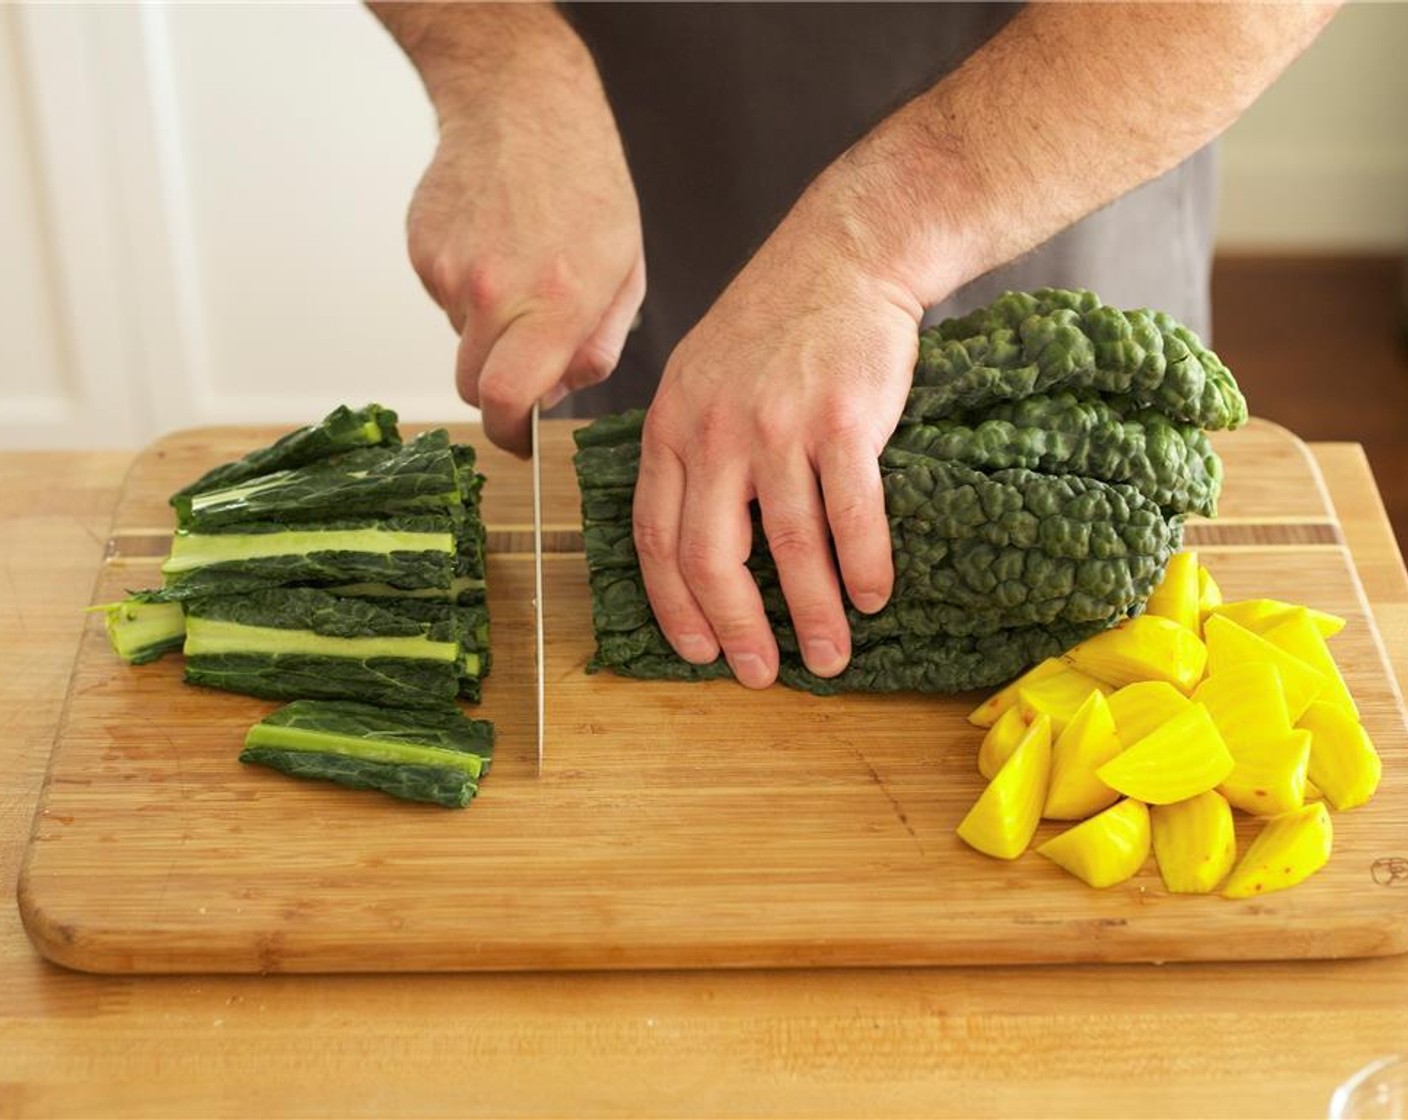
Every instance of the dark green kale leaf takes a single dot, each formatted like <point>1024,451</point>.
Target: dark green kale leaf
<point>1170,463</point>
<point>341,430</point>
<point>1026,343</point>
<point>292,642</point>
<point>438,785</point>
<point>393,681</point>
<point>421,477</point>
<point>434,754</point>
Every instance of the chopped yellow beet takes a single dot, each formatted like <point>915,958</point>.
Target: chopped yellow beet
<point>1088,742</point>
<point>1269,776</point>
<point>986,713</point>
<point>1057,695</point>
<point>1246,702</point>
<point>1176,596</point>
<point>1107,849</point>
<point>1140,707</point>
<point>1142,649</point>
<point>1289,849</point>
<point>1230,644</point>
<point>1003,820</point>
<point>1344,765</point>
<point>1001,740</point>
<point>1259,615</point>
<point>1195,842</point>
<point>1298,635</point>
<point>1179,759</point>
<point>1209,595</point>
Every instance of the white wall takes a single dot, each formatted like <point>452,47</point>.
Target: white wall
<point>207,207</point>
<point>1320,162</point>
<point>201,208</point>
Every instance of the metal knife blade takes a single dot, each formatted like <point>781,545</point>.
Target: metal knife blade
<point>538,575</point>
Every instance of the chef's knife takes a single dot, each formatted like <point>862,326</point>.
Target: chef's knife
<point>538,574</point>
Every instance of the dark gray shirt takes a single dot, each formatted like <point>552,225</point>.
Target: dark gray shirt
<point>728,110</point>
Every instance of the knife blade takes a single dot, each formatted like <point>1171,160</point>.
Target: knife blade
<point>538,576</point>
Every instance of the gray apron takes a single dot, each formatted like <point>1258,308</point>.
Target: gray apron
<point>727,111</point>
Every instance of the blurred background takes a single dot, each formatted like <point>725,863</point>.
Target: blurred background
<point>201,216</point>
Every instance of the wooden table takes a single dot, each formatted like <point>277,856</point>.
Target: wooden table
<point>1185,1040</point>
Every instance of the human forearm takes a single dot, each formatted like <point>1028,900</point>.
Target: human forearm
<point>466,53</point>
<point>1066,109</point>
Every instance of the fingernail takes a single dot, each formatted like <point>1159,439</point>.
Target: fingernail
<point>696,647</point>
<point>750,670</point>
<point>823,658</point>
<point>868,602</point>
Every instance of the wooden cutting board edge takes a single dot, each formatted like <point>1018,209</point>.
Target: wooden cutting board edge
<point>62,943</point>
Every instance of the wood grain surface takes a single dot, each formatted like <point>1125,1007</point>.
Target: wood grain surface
<point>694,826</point>
<point>1241,1039</point>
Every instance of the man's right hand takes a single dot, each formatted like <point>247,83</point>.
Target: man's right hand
<point>525,227</point>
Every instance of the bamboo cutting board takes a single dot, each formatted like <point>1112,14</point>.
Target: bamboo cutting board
<point>675,825</point>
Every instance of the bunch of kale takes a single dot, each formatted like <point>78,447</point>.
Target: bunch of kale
<point>1049,450</point>
<point>343,569</point>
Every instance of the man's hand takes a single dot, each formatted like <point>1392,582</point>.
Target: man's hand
<point>785,392</point>
<point>525,227</point>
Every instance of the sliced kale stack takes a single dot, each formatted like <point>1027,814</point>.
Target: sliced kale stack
<point>338,565</point>
<point>1049,451</point>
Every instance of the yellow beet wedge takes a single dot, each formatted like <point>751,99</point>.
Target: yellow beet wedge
<point>1003,820</point>
<point>1142,649</point>
<point>1001,740</point>
<point>986,713</point>
<point>1209,595</point>
<point>1246,702</point>
<point>1088,742</point>
<point>1107,849</point>
<point>1058,696</point>
<point>1289,849</point>
<point>1179,759</point>
<point>1230,644</point>
<point>1269,776</point>
<point>1195,842</point>
<point>1344,765</point>
<point>1139,708</point>
<point>1259,615</point>
<point>1298,635</point>
<point>1176,596</point>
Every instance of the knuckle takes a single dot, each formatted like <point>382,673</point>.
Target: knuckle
<point>660,439</point>
<point>423,257</point>
<point>714,437</point>
<point>775,429</point>
<point>439,271</point>
<point>558,284</point>
<point>837,424</point>
<point>851,514</point>
<point>737,631</point>
<point>791,540</point>
<point>704,569</point>
<point>653,543</point>
<point>593,365</point>
<point>496,394</point>
<point>482,286</point>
